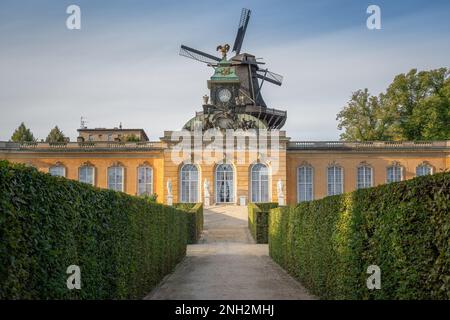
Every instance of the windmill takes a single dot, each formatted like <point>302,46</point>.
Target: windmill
<point>251,73</point>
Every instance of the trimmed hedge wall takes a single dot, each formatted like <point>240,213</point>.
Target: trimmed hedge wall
<point>258,214</point>
<point>194,221</point>
<point>123,245</point>
<point>404,228</point>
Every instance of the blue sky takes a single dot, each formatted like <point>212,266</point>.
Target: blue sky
<point>123,65</point>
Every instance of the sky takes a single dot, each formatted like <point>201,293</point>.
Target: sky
<point>123,66</point>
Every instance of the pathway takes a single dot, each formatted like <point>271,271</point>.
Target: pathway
<point>227,264</point>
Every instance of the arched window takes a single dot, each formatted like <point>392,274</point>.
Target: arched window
<point>145,180</point>
<point>335,180</point>
<point>189,183</point>
<point>364,177</point>
<point>115,178</point>
<point>423,170</point>
<point>394,173</point>
<point>58,170</point>
<point>305,177</point>
<point>260,183</point>
<point>224,183</point>
<point>86,174</point>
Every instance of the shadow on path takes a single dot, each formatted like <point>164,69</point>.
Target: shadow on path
<point>227,264</point>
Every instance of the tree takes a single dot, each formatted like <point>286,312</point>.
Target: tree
<point>365,119</point>
<point>22,134</point>
<point>131,138</point>
<point>422,101</point>
<point>56,135</point>
<point>415,106</point>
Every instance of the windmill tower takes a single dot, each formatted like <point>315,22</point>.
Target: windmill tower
<point>245,72</point>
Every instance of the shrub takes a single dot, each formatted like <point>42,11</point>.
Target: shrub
<point>403,227</point>
<point>258,214</point>
<point>150,198</point>
<point>123,244</point>
<point>194,221</point>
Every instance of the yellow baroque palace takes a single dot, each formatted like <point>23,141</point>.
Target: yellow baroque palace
<point>305,170</point>
<point>255,162</point>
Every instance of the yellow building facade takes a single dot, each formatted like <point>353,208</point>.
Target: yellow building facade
<point>298,171</point>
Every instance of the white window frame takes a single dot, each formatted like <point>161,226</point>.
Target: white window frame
<point>388,175</point>
<point>57,166</point>
<point>217,180</point>
<point>93,174</point>
<point>366,183</point>
<point>308,185</point>
<point>333,183</point>
<point>259,195</point>
<point>147,184</point>
<point>193,184</point>
<point>115,184</point>
<point>421,166</point>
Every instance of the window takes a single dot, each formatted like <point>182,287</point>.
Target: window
<point>364,177</point>
<point>335,180</point>
<point>305,184</point>
<point>110,138</point>
<point>115,178</point>
<point>57,171</point>
<point>260,183</point>
<point>189,183</point>
<point>86,174</point>
<point>145,180</point>
<point>423,170</point>
<point>394,173</point>
<point>224,183</point>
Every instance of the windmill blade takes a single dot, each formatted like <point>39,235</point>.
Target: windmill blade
<point>269,76</point>
<point>243,22</point>
<point>198,55</point>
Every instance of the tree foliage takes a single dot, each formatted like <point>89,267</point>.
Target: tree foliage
<point>415,106</point>
<point>56,135</point>
<point>22,134</point>
<point>131,138</point>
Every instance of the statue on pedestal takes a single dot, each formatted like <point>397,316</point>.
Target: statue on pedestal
<point>206,188</point>
<point>280,188</point>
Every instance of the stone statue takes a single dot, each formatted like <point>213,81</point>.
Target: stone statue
<point>206,188</point>
<point>280,188</point>
<point>169,187</point>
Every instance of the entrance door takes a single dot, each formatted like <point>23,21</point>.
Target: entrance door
<point>224,184</point>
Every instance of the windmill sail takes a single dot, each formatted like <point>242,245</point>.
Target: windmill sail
<point>198,55</point>
<point>243,22</point>
<point>269,76</point>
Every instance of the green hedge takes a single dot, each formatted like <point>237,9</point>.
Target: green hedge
<point>258,214</point>
<point>195,220</point>
<point>404,228</point>
<point>123,245</point>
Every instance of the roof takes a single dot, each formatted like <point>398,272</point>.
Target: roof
<point>144,135</point>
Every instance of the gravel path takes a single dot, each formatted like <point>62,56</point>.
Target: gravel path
<point>227,264</point>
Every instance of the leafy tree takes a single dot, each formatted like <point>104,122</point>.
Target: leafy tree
<point>365,119</point>
<point>131,138</point>
<point>422,101</point>
<point>416,106</point>
<point>56,135</point>
<point>22,134</point>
